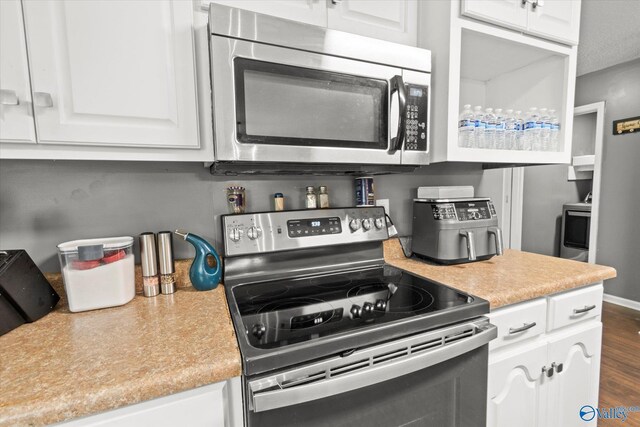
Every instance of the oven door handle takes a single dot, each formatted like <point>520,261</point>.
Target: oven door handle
<point>397,85</point>
<point>261,401</point>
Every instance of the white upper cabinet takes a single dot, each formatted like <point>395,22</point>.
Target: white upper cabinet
<point>308,11</point>
<point>488,66</point>
<point>391,20</point>
<point>113,73</point>
<point>394,21</point>
<point>508,13</point>
<point>16,113</point>
<point>557,20</point>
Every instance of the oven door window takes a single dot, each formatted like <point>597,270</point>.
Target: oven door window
<point>286,105</point>
<point>576,229</point>
<point>450,394</point>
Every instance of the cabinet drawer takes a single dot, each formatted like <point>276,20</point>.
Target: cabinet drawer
<point>518,323</point>
<point>574,306</point>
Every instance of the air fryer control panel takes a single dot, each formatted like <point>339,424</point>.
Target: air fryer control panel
<point>464,210</point>
<point>416,118</point>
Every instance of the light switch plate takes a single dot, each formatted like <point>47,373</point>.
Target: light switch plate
<point>385,203</point>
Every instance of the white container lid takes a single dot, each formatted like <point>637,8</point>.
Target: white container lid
<point>108,243</point>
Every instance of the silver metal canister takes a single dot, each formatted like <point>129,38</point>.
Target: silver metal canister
<point>149,263</point>
<point>165,258</point>
<point>365,194</point>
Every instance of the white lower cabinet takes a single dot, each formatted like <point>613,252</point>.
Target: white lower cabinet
<point>576,378</point>
<point>515,388</point>
<point>213,405</point>
<point>544,380</point>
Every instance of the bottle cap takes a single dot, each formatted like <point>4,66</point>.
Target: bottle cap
<point>323,188</point>
<point>310,189</point>
<point>278,195</point>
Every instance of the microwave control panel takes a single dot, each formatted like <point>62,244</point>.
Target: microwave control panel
<point>416,118</point>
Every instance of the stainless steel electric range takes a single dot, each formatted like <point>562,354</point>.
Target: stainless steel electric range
<point>332,336</point>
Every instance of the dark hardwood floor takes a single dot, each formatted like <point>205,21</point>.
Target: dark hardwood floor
<point>620,368</point>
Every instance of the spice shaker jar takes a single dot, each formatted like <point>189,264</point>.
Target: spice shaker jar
<point>236,199</point>
<point>165,256</point>
<point>278,201</point>
<point>323,197</point>
<point>311,201</point>
<point>149,263</point>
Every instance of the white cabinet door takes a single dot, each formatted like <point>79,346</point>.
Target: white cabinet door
<point>16,114</point>
<point>515,392</point>
<point>556,19</point>
<point>392,20</point>
<point>213,405</point>
<point>508,13</point>
<point>308,11</point>
<point>575,382</point>
<point>115,73</point>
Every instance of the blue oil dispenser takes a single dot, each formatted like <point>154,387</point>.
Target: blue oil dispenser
<point>203,276</point>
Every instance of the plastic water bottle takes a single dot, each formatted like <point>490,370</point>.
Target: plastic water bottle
<point>490,129</point>
<point>500,130</point>
<point>466,127</point>
<point>518,123</point>
<point>545,130</point>
<point>530,134</point>
<point>536,141</point>
<point>509,130</point>
<point>554,134</point>
<point>479,125</point>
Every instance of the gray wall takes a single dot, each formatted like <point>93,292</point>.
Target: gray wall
<point>618,227</point>
<point>43,203</point>
<point>546,187</point>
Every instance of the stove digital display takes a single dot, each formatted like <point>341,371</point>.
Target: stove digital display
<point>471,211</point>
<point>313,227</point>
<point>315,319</point>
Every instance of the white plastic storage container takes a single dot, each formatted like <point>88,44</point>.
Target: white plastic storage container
<point>98,273</point>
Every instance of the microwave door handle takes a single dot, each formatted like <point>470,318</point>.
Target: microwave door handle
<point>397,85</point>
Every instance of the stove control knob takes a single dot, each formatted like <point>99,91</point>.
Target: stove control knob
<point>366,224</point>
<point>356,311</point>
<point>367,308</point>
<point>354,224</point>
<point>236,234</point>
<point>381,305</point>
<point>258,330</point>
<point>379,222</point>
<point>254,232</point>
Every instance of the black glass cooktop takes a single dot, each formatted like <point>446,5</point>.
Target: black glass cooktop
<point>279,313</point>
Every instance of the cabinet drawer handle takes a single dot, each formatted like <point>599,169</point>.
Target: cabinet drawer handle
<point>9,97</point>
<point>522,328</point>
<point>42,99</point>
<point>584,309</point>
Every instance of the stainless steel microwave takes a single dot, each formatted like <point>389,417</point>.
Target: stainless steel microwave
<point>575,231</point>
<point>295,97</point>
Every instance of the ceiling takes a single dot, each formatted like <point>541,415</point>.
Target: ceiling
<point>609,34</point>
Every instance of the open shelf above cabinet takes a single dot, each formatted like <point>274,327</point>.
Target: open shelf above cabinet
<point>480,64</point>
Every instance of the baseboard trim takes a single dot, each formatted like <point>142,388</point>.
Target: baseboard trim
<point>622,301</point>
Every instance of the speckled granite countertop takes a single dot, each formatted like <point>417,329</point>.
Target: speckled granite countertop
<point>513,277</point>
<point>67,365</point>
